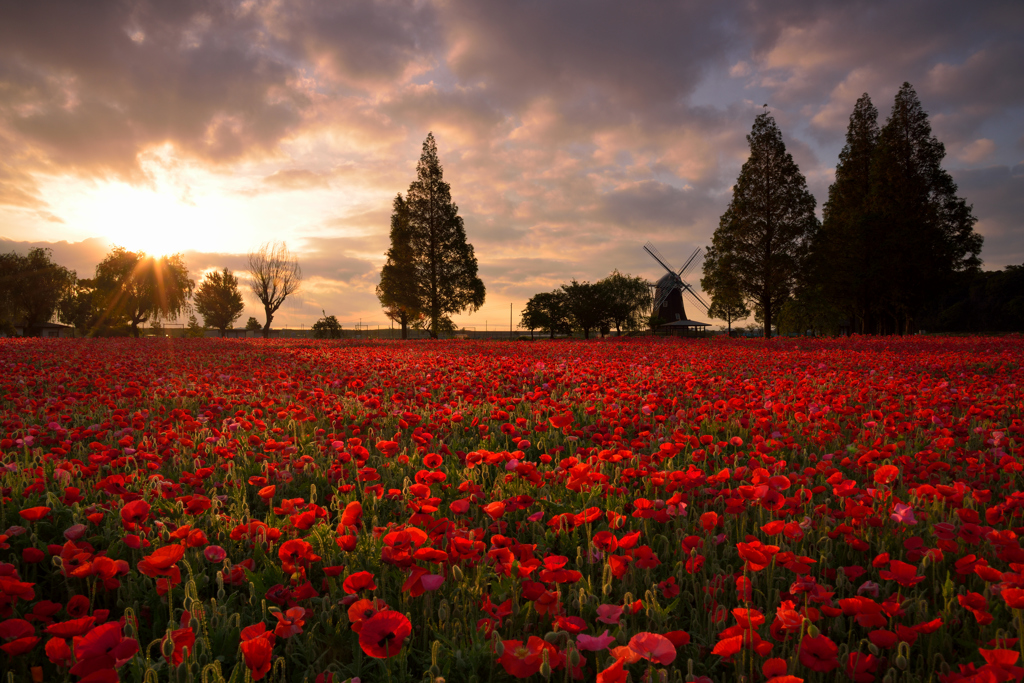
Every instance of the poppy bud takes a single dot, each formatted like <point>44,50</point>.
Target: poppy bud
<point>873,649</point>
<point>499,647</point>
<point>902,663</point>
<point>167,649</point>
<point>545,667</point>
<point>442,612</point>
<point>574,657</point>
<point>813,631</point>
<point>456,573</point>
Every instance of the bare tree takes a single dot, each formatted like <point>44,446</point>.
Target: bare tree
<point>275,274</point>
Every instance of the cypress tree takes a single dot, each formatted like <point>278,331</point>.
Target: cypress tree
<point>446,265</point>
<point>928,236</point>
<point>844,254</point>
<point>763,234</point>
<point>399,289</point>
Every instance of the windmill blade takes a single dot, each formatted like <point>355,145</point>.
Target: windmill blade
<point>656,255</point>
<point>696,298</point>
<point>694,261</point>
<point>686,266</point>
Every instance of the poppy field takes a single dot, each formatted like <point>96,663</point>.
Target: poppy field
<point>645,510</point>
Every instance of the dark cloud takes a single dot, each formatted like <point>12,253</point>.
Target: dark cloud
<point>997,194</point>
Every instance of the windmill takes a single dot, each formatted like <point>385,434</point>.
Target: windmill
<point>668,291</point>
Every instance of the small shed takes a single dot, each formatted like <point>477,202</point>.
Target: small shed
<point>683,326</point>
<point>52,330</point>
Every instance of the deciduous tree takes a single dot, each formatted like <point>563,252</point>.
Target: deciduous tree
<point>327,327</point>
<point>585,306</point>
<point>131,287</point>
<point>275,275</point>
<point>218,300</point>
<point>546,311</point>
<point>763,233</point>
<point>31,288</point>
<point>627,299</point>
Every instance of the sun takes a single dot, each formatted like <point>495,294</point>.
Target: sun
<point>157,222</point>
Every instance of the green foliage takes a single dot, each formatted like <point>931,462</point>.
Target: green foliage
<point>131,287</point>
<point>399,290</point>
<point>585,306</point>
<point>547,311</point>
<point>31,289</point>
<point>445,264</point>
<point>988,301</point>
<point>929,231</point>
<point>327,327</point>
<point>218,300</point>
<point>727,302</point>
<point>627,299</point>
<point>811,310</point>
<point>844,261</point>
<point>762,235</point>
<point>194,329</point>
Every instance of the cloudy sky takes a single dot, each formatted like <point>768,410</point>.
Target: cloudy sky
<point>571,132</point>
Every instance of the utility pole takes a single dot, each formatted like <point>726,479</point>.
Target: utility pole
<point>510,321</point>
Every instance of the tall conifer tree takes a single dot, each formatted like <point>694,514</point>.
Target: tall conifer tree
<point>763,234</point>
<point>399,288</point>
<point>446,265</point>
<point>928,236</point>
<point>845,251</point>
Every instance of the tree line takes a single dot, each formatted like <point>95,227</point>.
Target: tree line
<point>618,301</point>
<point>131,288</point>
<point>896,244</point>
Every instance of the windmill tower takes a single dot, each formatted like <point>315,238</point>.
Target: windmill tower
<point>669,290</point>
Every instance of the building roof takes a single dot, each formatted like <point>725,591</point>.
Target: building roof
<point>685,323</point>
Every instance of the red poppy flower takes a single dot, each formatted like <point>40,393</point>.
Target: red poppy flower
<point>654,647</point>
<point>20,646</point>
<point>71,628</point>
<point>902,573</point>
<point>58,652</point>
<point>359,581</point>
<point>819,653</point>
<point>352,517</point>
<point>361,610</point>
<point>163,562</point>
<point>613,674</point>
<point>561,421</point>
<point>522,660</point>
<point>886,474</point>
<point>289,623</point>
<point>258,649</point>
<point>134,512</point>
<point>383,634</point>
<point>183,639</point>
<point>34,514</point>
<point>102,648</point>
